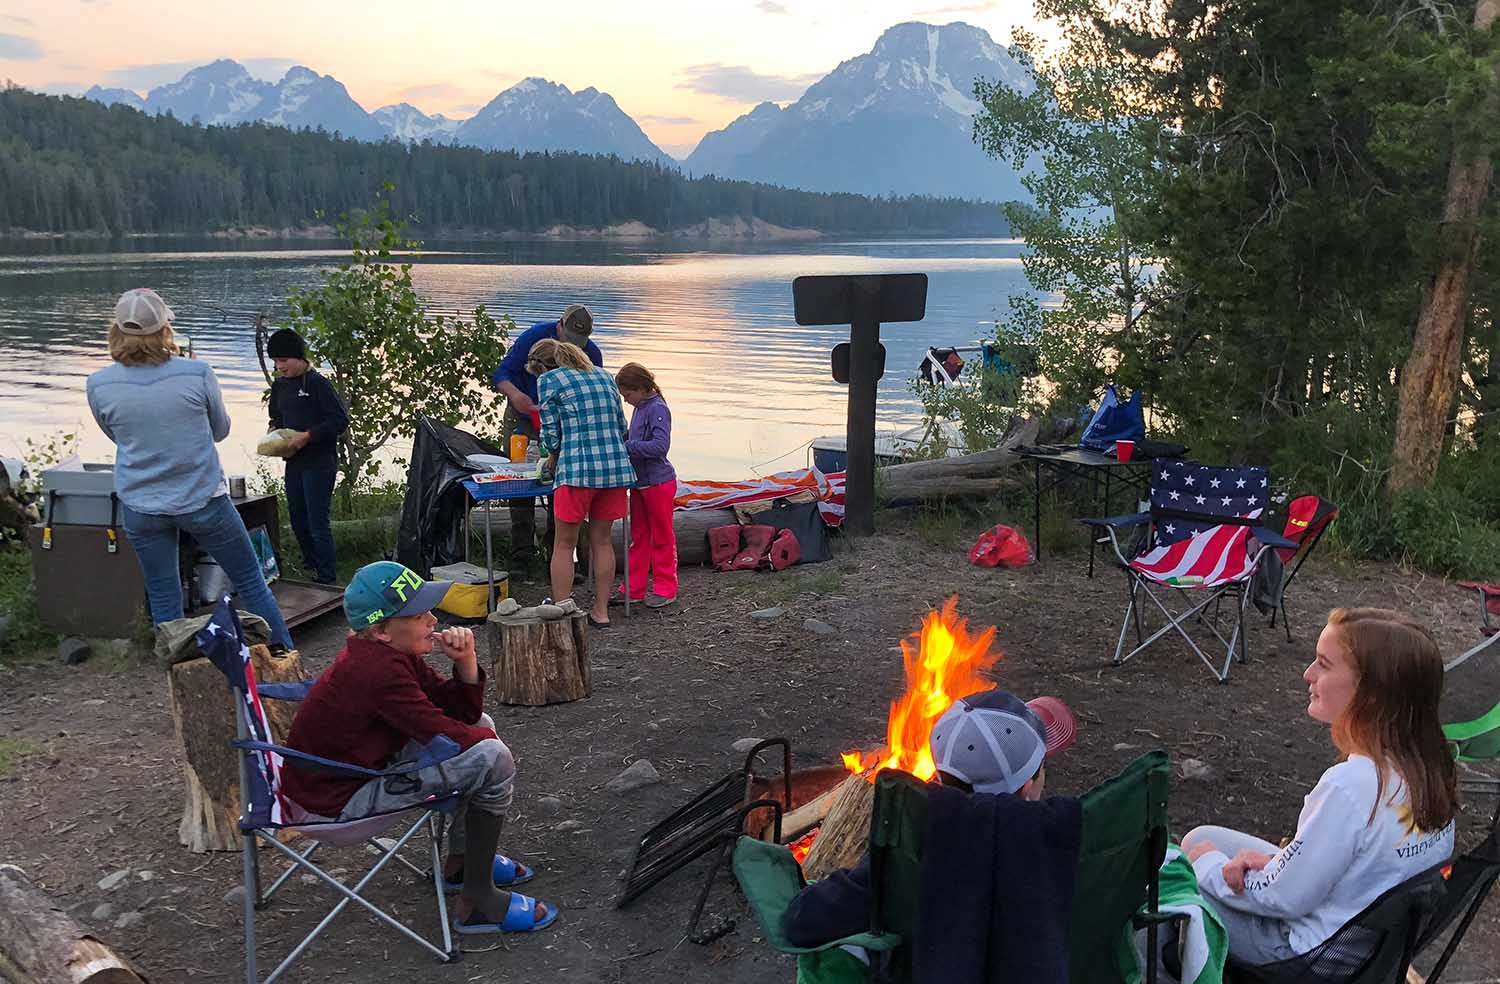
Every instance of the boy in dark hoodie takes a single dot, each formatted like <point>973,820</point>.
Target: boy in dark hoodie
<point>304,401</point>
<point>380,703</point>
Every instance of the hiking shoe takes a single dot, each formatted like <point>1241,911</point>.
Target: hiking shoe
<point>618,598</point>
<point>659,601</point>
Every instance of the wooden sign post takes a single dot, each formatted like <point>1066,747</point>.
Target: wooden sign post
<point>862,303</point>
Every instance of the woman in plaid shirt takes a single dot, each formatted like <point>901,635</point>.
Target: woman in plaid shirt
<point>583,431</point>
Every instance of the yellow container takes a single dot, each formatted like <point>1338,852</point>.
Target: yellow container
<point>518,445</point>
<point>466,599</point>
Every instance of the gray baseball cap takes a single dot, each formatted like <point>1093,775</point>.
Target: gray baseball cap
<point>141,311</point>
<point>577,325</point>
<point>995,742</point>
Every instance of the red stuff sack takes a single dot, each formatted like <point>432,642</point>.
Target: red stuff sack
<point>723,546</point>
<point>756,545</point>
<point>1003,546</point>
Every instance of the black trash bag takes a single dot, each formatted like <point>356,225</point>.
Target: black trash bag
<point>431,533</point>
<point>806,524</point>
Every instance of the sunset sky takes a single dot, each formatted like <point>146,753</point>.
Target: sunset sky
<point>679,67</point>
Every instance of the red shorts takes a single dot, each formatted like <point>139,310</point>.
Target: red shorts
<point>573,504</point>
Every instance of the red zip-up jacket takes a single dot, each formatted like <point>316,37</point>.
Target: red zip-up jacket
<point>364,709</point>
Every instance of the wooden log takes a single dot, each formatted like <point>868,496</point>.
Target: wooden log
<point>540,661</point>
<point>808,815</point>
<point>691,527</point>
<point>203,716</point>
<point>845,834</point>
<point>40,944</point>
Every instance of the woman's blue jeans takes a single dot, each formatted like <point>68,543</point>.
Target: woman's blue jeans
<point>218,529</point>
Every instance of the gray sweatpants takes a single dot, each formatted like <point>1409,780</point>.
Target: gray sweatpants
<point>1252,939</point>
<point>484,772</point>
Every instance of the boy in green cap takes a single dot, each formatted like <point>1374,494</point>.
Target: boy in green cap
<point>380,703</point>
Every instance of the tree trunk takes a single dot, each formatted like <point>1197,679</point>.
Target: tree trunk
<point>845,834</point>
<point>203,717</point>
<point>1430,375</point>
<point>39,944</point>
<point>536,661</point>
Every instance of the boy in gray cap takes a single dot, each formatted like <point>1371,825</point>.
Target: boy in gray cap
<point>989,742</point>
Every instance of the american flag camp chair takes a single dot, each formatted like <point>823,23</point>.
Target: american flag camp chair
<point>1202,544</point>
<point>265,810</point>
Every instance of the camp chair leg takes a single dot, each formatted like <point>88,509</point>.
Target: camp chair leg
<point>435,836</point>
<point>1174,623</point>
<point>252,896</point>
<point>1132,612</point>
<point>350,895</point>
<point>291,868</point>
<point>1458,933</point>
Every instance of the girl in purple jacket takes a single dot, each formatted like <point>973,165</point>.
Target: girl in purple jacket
<point>653,544</point>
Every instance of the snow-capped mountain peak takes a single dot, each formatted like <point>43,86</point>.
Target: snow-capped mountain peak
<point>537,114</point>
<point>409,124</point>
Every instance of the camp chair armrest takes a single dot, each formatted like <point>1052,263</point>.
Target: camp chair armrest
<point>322,764</point>
<point>286,691</point>
<point>1270,538</point>
<point>1119,522</point>
<point>1144,920</point>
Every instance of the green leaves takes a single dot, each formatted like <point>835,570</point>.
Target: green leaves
<point>391,359</point>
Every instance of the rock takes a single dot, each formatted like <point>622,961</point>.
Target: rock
<point>1122,746</point>
<point>818,628</point>
<point>567,606</point>
<point>508,607</point>
<point>641,773</point>
<point>145,875</point>
<point>110,882</point>
<point>743,745</point>
<point>1195,770</point>
<point>766,614</point>
<point>308,879</point>
<point>549,612</point>
<point>74,651</point>
<point>549,806</point>
<point>102,912</point>
<point>385,842</point>
<point>235,896</point>
<point>129,919</point>
<point>568,826</point>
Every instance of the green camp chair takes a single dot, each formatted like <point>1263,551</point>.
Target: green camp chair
<point>1124,841</point>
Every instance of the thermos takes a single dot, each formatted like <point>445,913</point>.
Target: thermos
<point>518,445</point>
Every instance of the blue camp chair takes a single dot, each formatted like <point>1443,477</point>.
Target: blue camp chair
<point>265,810</point>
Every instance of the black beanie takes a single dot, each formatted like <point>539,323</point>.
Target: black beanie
<point>286,344</point>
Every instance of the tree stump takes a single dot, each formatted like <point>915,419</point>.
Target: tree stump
<point>845,834</point>
<point>203,717</point>
<point>39,944</point>
<point>536,661</point>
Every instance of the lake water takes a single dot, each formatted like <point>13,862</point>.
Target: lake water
<point>748,387</point>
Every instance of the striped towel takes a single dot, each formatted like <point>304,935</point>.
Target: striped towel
<point>829,490</point>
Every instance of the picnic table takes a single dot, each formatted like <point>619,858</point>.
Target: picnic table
<point>487,492</point>
<point>1102,472</point>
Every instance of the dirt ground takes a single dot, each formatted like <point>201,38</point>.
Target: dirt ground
<point>100,790</point>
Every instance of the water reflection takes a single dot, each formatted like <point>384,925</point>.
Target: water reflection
<point>747,386</point>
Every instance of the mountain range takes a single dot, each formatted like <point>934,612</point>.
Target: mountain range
<point>896,120</point>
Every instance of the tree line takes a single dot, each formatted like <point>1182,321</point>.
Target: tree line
<point>72,165</point>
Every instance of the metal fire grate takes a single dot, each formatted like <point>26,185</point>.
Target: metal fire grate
<point>710,820</point>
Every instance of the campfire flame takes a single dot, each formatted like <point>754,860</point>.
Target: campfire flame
<point>944,664</point>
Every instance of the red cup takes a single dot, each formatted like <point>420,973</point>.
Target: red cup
<point>1123,450</point>
<point>536,420</point>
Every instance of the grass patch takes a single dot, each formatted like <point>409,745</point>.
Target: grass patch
<point>12,750</point>
<point>768,589</point>
<point>24,635</point>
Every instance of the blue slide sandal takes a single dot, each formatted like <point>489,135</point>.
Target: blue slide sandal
<point>506,875</point>
<point>520,917</point>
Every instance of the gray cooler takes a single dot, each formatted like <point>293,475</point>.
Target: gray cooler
<point>80,494</point>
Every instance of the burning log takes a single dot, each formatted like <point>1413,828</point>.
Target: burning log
<point>540,661</point>
<point>40,944</point>
<point>808,815</point>
<point>203,716</point>
<point>845,834</point>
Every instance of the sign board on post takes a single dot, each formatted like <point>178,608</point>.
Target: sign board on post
<point>863,303</point>
<point>841,363</point>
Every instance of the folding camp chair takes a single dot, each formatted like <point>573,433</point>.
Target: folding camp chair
<point>1375,947</point>
<point>1478,740</point>
<point>1307,517</point>
<point>1468,882</point>
<point>265,810</point>
<point>1202,535</point>
<point>1124,841</point>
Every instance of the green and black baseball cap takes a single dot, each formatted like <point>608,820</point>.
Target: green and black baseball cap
<point>386,589</point>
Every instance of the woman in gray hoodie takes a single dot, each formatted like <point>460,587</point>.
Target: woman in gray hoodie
<point>165,414</point>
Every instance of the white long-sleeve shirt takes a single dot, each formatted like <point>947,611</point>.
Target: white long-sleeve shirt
<point>1340,860</point>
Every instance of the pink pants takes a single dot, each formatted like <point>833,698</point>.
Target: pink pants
<point>653,545</point>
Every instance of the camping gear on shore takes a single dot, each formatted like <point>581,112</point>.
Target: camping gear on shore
<point>471,594</point>
<point>432,527</point>
<point>265,813</point>
<point>1003,546</point>
<point>1203,534</point>
<point>1114,421</point>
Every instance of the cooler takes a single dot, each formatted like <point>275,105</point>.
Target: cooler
<point>469,596</point>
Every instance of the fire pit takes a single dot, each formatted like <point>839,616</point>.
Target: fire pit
<point>828,828</point>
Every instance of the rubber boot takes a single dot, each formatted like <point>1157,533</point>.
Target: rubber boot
<point>482,839</point>
<point>757,542</point>
<point>723,546</point>
<point>785,550</point>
